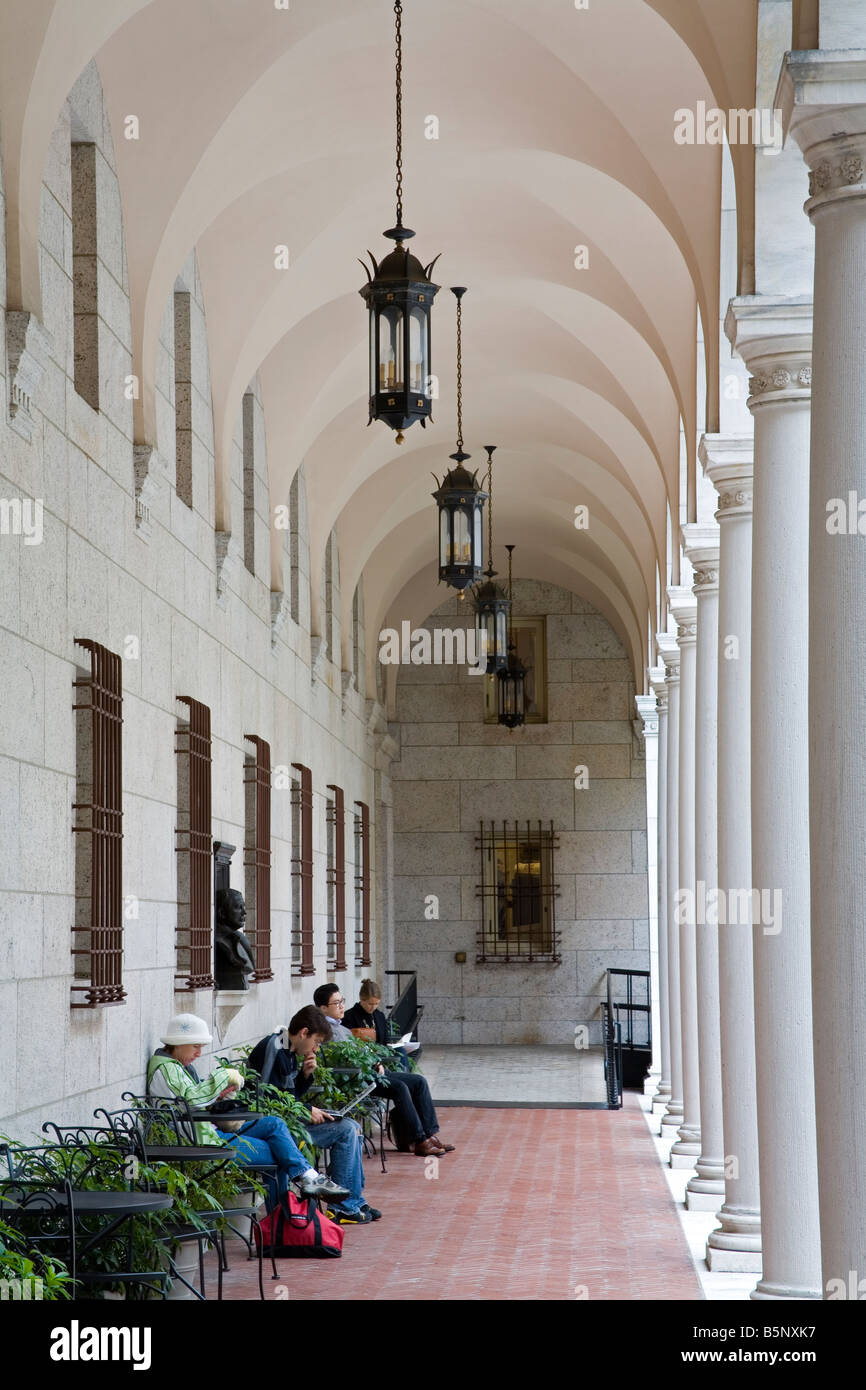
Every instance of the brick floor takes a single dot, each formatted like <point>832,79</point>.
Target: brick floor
<point>601,1224</point>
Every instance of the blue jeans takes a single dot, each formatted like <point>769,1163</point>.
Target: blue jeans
<point>268,1141</point>
<point>343,1138</point>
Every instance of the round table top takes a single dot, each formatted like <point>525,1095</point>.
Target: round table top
<point>188,1153</point>
<point>109,1203</point>
<point>224,1116</point>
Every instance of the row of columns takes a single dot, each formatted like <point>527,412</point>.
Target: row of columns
<point>762,771</point>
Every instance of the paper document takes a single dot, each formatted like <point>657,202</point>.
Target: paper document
<point>407,1043</point>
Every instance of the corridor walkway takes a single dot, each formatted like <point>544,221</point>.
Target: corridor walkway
<point>535,1204</point>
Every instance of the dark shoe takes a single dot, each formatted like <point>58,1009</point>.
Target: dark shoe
<point>374,1214</point>
<point>428,1148</point>
<point>446,1148</point>
<point>321,1186</point>
<point>351,1218</point>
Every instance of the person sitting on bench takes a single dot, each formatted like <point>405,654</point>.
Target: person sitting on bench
<point>408,1091</point>
<point>170,1072</point>
<point>287,1059</point>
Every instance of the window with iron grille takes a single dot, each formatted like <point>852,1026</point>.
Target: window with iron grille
<point>257,855</point>
<point>194,849</point>
<point>302,871</point>
<point>362,884</point>
<point>336,879</point>
<point>97,936</point>
<point>518,893</point>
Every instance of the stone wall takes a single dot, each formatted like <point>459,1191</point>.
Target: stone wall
<point>454,769</point>
<point>191,619</point>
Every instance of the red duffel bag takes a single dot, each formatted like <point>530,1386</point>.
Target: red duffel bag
<point>296,1229</point>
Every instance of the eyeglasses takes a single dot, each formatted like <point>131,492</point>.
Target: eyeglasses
<point>337,999</point>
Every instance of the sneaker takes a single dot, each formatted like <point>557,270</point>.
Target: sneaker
<point>321,1186</point>
<point>351,1218</point>
<point>374,1214</point>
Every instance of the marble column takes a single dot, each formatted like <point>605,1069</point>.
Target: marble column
<point>705,1191</point>
<point>736,1244</point>
<point>687,1147</point>
<point>662,1022</point>
<point>670,655</point>
<point>648,711</point>
<point>823,99</point>
<point>774,339</point>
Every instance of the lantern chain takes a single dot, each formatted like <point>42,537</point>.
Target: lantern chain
<point>490,569</point>
<point>398,14</point>
<point>459,374</point>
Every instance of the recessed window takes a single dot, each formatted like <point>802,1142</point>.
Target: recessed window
<point>517,892</point>
<point>85,308</point>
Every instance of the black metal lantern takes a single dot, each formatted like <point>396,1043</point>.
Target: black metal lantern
<point>460,498</point>
<point>399,297</point>
<point>492,604</point>
<point>511,680</point>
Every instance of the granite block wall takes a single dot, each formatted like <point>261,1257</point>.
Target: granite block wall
<point>154,598</point>
<point>454,770</point>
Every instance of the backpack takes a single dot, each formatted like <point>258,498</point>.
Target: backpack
<point>296,1229</point>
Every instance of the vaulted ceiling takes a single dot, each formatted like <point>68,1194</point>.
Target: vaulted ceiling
<point>262,126</point>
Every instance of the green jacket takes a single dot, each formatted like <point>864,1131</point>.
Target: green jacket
<point>168,1077</point>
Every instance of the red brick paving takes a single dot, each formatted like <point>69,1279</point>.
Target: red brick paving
<point>601,1218</point>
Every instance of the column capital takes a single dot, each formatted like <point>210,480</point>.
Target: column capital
<point>669,652</point>
<point>684,607</point>
<point>701,544</point>
<point>648,711</point>
<point>822,97</point>
<point>729,463</point>
<point>773,336</point>
<point>660,690</point>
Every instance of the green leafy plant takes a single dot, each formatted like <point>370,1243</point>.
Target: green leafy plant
<point>21,1263</point>
<point>358,1054</point>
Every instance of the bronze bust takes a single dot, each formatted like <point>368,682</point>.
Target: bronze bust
<point>235,959</point>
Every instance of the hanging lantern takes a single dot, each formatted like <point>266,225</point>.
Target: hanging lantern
<point>460,498</point>
<point>399,297</point>
<point>492,604</point>
<point>511,680</point>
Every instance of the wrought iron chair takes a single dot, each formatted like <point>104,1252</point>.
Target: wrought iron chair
<point>78,1167</point>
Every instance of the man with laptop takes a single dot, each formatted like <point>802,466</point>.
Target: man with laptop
<point>287,1059</point>
<point>408,1091</point>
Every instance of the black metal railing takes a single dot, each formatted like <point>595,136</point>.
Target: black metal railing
<point>611,1038</point>
<point>628,993</point>
<point>406,1013</point>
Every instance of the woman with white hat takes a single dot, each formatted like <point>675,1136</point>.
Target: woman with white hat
<point>170,1072</point>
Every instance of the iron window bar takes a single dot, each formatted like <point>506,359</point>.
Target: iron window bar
<point>258,855</point>
<point>302,868</point>
<point>362,884</point>
<point>195,939</point>
<point>337,879</point>
<point>99,963</point>
<point>518,893</point>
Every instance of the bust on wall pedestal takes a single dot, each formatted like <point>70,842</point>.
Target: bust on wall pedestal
<point>235,958</point>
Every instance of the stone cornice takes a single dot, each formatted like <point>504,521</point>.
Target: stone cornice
<point>773,336</point>
<point>28,350</point>
<point>701,544</point>
<point>648,711</point>
<point>729,463</point>
<point>669,652</point>
<point>822,96</point>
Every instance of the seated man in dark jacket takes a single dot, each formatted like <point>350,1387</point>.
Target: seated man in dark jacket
<point>408,1091</point>
<point>287,1059</point>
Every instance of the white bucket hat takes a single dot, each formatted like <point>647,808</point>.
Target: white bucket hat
<point>185,1028</point>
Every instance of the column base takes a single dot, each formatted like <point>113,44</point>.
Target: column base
<point>733,1261</point>
<point>765,1290</point>
<point>736,1247</point>
<point>684,1155</point>
<point>703,1201</point>
<point>674,1114</point>
<point>706,1191</point>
